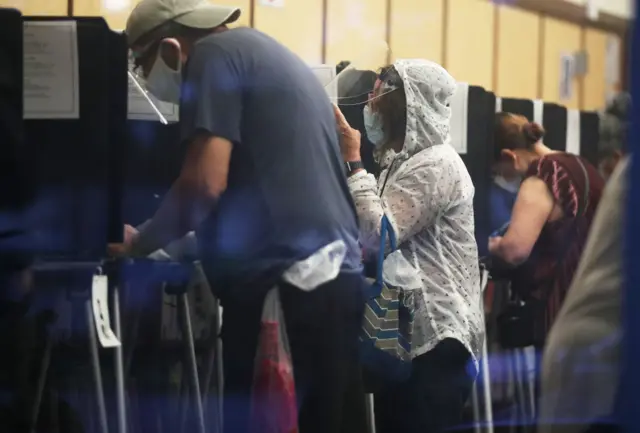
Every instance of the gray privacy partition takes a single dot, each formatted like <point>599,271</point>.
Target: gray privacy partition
<point>589,135</point>
<point>473,109</point>
<point>75,212</point>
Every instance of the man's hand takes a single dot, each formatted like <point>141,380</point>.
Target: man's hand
<point>349,137</point>
<point>123,249</point>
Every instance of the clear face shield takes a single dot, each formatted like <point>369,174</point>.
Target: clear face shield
<point>155,80</point>
<point>358,83</point>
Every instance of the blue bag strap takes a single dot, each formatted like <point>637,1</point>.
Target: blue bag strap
<point>386,232</point>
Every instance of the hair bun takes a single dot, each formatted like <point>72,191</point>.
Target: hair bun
<point>533,132</point>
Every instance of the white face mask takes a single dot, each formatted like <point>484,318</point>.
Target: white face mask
<point>373,126</point>
<point>163,82</point>
<point>510,185</point>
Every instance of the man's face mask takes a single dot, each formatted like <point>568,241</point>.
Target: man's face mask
<point>163,81</point>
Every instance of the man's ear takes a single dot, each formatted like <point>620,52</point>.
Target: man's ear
<point>170,51</point>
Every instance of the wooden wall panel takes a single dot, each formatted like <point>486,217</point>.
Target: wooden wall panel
<point>357,31</point>
<point>37,7</point>
<point>518,53</point>
<point>116,12</point>
<point>417,29</point>
<point>560,38</point>
<point>469,44</point>
<point>298,25</point>
<point>595,82</point>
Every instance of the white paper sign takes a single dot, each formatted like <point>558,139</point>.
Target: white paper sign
<point>141,109</point>
<point>538,111</point>
<point>593,10</point>
<point>459,118</point>
<point>613,56</point>
<point>327,76</point>
<point>272,3</point>
<point>116,5</point>
<point>51,89</point>
<point>573,132</point>
<point>566,77</point>
<point>100,305</point>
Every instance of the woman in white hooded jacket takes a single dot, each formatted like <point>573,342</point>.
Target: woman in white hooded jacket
<point>426,193</point>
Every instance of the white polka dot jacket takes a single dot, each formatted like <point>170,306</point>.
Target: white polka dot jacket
<point>428,198</point>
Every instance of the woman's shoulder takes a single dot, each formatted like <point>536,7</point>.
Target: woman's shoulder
<point>440,157</point>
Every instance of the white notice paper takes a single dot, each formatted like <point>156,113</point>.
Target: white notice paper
<point>613,60</point>
<point>51,89</point>
<point>100,307</point>
<point>272,3</point>
<point>573,132</point>
<point>141,109</point>
<point>566,77</point>
<point>327,76</point>
<point>459,118</point>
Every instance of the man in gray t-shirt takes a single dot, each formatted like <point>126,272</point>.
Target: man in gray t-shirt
<point>263,185</point>
<point>580,372</point>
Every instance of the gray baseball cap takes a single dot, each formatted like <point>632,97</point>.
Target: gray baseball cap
<point>198,14</point>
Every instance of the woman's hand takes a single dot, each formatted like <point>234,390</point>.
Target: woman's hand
<point>349,137</point>
<point>494,244</point>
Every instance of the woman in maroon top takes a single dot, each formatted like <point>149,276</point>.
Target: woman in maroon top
<point>550,219</point>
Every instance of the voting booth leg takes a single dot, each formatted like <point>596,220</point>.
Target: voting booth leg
<point>486,383</point>
<point>97,374</point>
<point>527,368</point>
<point>486,398</point>
<point>475,405</point>
<point>42,380</point>
<point>214,364</point>
<point>187,335</point>
<point>529,356</point>
<point>219,368</point>
<point>121,411</point>
<point>371,415</point>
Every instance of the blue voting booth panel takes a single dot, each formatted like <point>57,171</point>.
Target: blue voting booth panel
<point>153,157</point>
<point>630,380</point>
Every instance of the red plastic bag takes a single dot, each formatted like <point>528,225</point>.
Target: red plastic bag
<point>273,408</point>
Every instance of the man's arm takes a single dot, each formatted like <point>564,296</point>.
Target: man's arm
<point>191,198</point>
<point>210,118</point>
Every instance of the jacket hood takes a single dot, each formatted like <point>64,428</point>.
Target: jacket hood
<point>428,89</point>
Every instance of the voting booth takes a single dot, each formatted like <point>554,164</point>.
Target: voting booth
<point>16,181</point>
<point>75,110</point>
<point>73,106</point>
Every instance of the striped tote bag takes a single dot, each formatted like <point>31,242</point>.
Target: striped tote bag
<point>385,340</point>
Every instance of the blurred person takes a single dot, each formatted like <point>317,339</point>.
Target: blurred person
<point>581,368</point>
<point>614,125</point>
<point>502,196</point>
<point>550,221</point>
<point>263,186</point>
<point>427,195</point>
